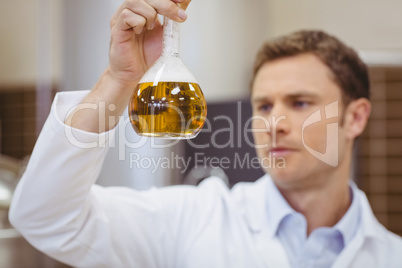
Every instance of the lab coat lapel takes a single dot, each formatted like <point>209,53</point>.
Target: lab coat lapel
<point>269,247</point>
<point>369,227</point>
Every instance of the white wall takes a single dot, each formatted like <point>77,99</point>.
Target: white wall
<point>21,44</point>
<point>363,24</point>
<point>18,42</point>
<point>86,35</point>
<point>219,41</point>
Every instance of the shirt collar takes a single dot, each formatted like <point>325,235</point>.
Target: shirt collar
<point>264,205</point>
<point>278,208</point>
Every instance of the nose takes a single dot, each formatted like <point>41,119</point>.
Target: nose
<point>279,122</point>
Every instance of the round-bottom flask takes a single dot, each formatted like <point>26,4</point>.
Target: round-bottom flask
<point>168,102</point>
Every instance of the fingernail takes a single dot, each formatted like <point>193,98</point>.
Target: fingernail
<point>182,14</point>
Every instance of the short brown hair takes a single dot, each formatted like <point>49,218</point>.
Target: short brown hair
<point>349,71</point>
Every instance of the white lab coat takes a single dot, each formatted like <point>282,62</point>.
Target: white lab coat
<point>58,209</point>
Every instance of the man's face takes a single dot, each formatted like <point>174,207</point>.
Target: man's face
<point>287,92</point>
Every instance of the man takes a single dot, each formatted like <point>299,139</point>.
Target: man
<point>310,101</point>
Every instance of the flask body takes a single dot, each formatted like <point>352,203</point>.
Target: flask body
<point>168,109</point>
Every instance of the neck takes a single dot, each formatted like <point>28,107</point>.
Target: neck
<point>171,37</point>
<point>322,204</point>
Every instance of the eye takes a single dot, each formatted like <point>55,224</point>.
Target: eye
<point>301,104</point>
<point>265,108</point>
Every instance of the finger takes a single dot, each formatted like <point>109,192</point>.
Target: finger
<point>169,9</point>
<point>130,20</point>
<point>116,15</point>
<point>138,7</point>
<point>182,3</point>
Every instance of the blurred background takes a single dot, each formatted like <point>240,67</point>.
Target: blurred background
<point>57,45</point>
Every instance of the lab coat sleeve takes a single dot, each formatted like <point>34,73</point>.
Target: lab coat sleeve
<point>60,211</point>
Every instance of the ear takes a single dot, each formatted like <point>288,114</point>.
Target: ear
<point>356,117</point>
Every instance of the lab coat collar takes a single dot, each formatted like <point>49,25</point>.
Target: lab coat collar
<point>258,201</point>
<point>370,226</point>
<point>277,207</point>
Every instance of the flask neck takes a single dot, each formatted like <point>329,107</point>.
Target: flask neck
<point>171,37</point>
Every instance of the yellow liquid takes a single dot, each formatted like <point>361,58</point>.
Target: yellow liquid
<point>168,110</point>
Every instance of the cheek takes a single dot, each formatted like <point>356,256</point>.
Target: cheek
<point>260,130</point>
<point>260,136</point>
<point>315,136</point>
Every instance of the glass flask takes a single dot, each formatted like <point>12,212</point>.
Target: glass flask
<point>168,102</point>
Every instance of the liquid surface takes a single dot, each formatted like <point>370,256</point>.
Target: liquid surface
<point>168,110</point>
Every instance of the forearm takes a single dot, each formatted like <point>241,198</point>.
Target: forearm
<point>53,199</point>
<point>99,111</point>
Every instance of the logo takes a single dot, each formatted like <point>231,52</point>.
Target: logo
<point>330,156</point>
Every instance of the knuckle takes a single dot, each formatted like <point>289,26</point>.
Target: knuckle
<point>131,2</point>
<point>152,18</point>
<point>141,21</point>
<point>165,7</point>
<point>153,14</point>
<point>125,13</point>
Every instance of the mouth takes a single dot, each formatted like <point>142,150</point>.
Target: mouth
<point>281,151</point>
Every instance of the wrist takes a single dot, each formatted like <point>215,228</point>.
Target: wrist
<point>112,90</point>
<point>117,82</point>
<point>111,97</point>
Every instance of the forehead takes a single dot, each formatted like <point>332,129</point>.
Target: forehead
<point>304,72</point>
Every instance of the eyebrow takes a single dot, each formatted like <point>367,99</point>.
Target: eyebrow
<point>292,96</point>
<point>300,94</point>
